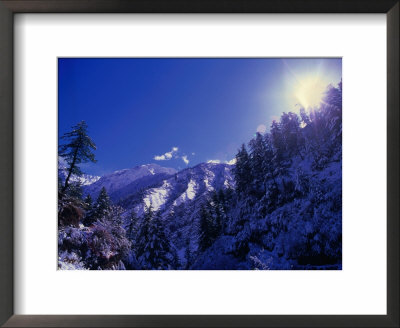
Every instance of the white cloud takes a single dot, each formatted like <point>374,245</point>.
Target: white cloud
<point>167,156</point>
<point>185,159</point>
<point>231,162</point>
<point>214,161</point>
<point>193,154</point>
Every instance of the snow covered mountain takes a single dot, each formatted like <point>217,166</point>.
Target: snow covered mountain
<point>180,188</point>
<point>120,184</point>
<point>179,200</point>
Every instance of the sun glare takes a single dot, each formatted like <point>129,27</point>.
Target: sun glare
<point>305,84</point>
<point>309,91</point>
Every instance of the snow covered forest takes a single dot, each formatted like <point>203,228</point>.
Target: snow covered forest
<point>277,206</point>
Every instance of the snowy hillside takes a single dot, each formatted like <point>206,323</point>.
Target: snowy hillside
<point>184,186</point>
<point>179,199</point>
<point>122,183</point>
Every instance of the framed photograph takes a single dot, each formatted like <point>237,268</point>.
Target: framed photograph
<point>194,195</point>
<point>199,164</point>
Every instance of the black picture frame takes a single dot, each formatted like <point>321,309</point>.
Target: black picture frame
<point>10,7</point>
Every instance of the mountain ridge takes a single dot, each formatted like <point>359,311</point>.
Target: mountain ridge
<point>128,179</point>
<point>153,185</point>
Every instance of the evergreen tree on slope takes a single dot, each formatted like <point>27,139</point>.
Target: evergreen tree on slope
<point>242,171</point>
<point>260,160</point>
<point>210,224</point>
<point>102,205</point>
<point>77,149</point>
<point>153,248</point>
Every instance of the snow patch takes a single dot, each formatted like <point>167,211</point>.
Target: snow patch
<point>209,187</point>
<point>157,197</point>
<point>85,179</point>
<point>189,194</point>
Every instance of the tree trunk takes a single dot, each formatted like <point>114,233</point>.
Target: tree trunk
<point>70,171</point>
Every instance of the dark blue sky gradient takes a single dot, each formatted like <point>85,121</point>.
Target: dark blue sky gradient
<point>139,108</point>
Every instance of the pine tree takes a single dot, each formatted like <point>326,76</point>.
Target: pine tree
<point>242,170</point>
<point>217,211</point>
<point>333,113</point>
<point>269,156</point>
<point>102,205</point>
<point>210,225</point>
<point>75,190</point>
<point>205,232</point>
<point>132,226</point>
<point>259,166</point>
<point>304,117</point>
<point>77,149</point>
<point>153,248</point>
<point>333,96</point>
<point>142,239</point>
<point>222,209</point>
<point>88,202</point>
<point>280,158</point>
<point>293,139</point>
<point>89,215</point>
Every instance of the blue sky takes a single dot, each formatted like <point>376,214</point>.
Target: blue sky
<point>181,112</point>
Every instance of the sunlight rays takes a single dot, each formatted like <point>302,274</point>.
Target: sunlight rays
<point>305,86</point>
<point>309,91</point>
